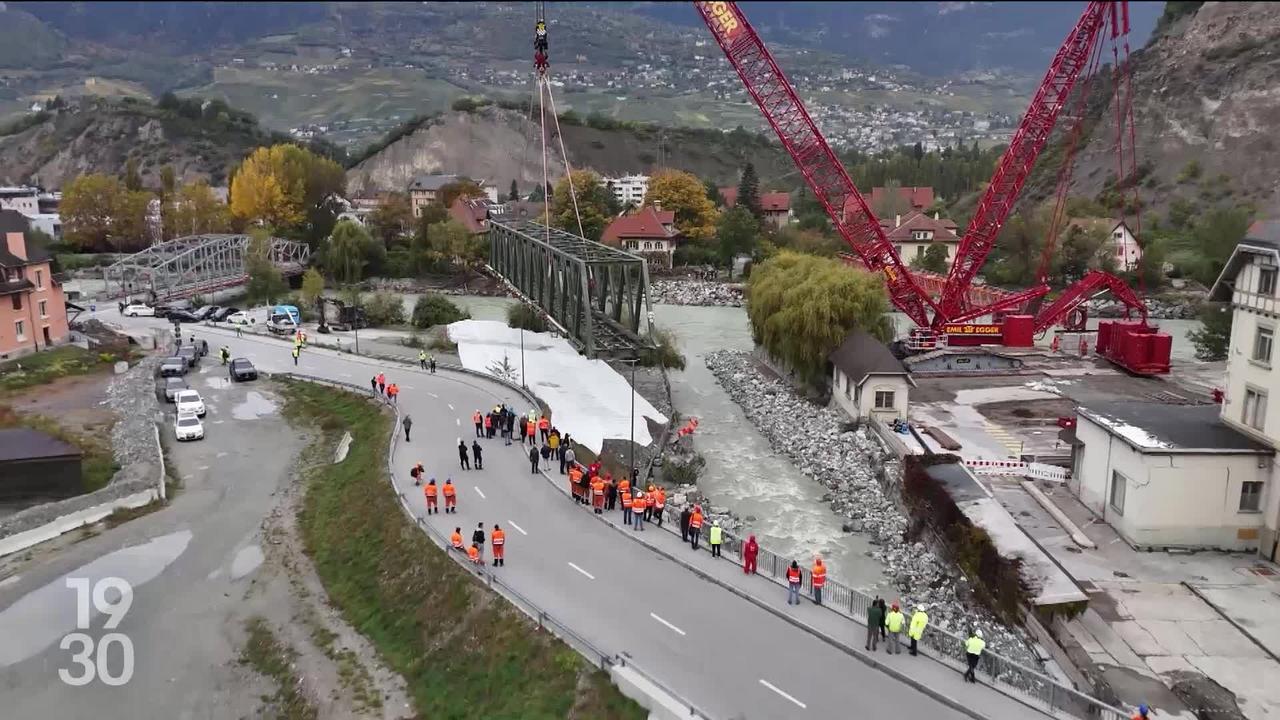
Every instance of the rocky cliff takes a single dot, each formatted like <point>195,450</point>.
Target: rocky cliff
<point>1207,112</point>
<point>100,135</point>
<point>501,145</point>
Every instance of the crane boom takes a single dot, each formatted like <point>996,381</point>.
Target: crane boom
<point>816,161</point>
<point>1016,163</point>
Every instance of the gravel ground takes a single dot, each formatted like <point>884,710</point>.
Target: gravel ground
<point>851,464</point>
<point>695,292</point>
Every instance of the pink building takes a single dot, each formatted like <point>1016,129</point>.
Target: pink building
<point>33,310</point>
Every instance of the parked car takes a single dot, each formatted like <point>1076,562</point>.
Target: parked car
<point>175,366</point>
<point>190,353</point>
<point>188,427</point>
<point>223,313</point>
<point>189,402</point>
<point>239,318</point>
<point>139,310</point>
<point>182,316</point>
<point>167,388</point>
<point>204,312</point>
<point>242,369</point>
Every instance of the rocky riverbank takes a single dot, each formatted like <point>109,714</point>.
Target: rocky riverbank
<point>1187,308</point>
<point>696,292</point>
<point>852,465</point>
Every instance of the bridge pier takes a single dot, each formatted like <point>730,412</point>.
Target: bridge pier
<point>594,293</point>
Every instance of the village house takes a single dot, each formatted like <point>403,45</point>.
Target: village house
<point>1124,245</point>
<point>649,232</point>
<point>472,213</point>
<point>867,381</point>
<point>1198,476</point>
<point>912,234</point>
<point>775,207</point>
<point>918,199</point>
<point>33,309</point>
<point>628,190</point>
<point>425,189</point>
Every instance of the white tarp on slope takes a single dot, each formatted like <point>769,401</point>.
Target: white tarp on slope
<point>588,399</point>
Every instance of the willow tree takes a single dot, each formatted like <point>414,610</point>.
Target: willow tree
<point>802,307</point>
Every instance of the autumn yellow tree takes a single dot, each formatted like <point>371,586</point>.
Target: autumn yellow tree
<point>594,204</point>
<point>683,193</point>
<point>193,210</point>
<point>278,186</point>
<point>88,204</point>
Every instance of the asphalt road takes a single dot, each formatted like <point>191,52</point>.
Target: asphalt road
<point>190,566</point>
<point>724,654</point>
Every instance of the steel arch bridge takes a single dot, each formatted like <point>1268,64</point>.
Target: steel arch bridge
<point>195,265</point>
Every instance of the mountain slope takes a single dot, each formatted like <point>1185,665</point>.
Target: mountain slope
<point>100,135</point>
<point>1206,104</point>
<point>500,145</point>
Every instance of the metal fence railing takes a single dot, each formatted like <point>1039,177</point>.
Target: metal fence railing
<point>545,620</point>
<point>1007,676</point>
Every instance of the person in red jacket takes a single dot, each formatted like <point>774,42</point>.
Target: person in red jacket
<point>749,553</point>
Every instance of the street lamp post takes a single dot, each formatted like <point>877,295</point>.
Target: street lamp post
<point>631,449</point>
<point>522,383</point>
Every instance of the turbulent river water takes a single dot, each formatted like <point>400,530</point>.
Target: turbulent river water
<point>744,473</point>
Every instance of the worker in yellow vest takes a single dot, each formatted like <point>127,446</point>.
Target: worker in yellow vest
<point>893,623</point>
<point>973,648</point>
<point>919,621</point>
<point>717,537</point>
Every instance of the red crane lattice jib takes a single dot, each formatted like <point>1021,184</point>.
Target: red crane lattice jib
<point>821,169</point>
<point>1016,163</point>
<point>1093,283</point>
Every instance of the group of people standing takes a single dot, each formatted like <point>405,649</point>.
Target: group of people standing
<point>589,485</point>
<point>382,388</point>
<point>475,551</point>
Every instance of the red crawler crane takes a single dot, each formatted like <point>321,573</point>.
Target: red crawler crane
<point>826,177</point>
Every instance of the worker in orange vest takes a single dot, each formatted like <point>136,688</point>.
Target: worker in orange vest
<point>450,497</point>
<point>430,491</point>
<point>624,493</point>
<point>597,494</point>
<point>794,579</point>
<point>695,526</point>
<point>575,483</point>
<point>819,577</point>
<point>488,426</point>
<point>456,539</point>
<point>473,554</point>
<point>382,384</point>
<point>638,502</point>
<point>659,503</point>
<point>544,428</point>
<point>499,540</point>
<point>648,504</point>
<point>393,390</point>
<point>477,418</point>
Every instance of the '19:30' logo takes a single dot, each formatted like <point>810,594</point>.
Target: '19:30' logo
<point>91,657</point>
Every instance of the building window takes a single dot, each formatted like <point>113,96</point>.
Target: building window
<point>1118,485</point>
<point>20,329</point>
<point>1262,345</point>
<point>1251,496</point>
<point>848,385</point>
<point>39,279</point>
<point>1255,408</point>
<point>1267,281</point>
<point>884,399</point>
<point>17,302</point>
<point>44,306</point>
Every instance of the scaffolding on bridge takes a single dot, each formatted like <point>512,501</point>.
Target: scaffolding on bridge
<point>595,294</point>
<point>195,265</point>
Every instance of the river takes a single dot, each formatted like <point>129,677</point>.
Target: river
<point>746,475</point>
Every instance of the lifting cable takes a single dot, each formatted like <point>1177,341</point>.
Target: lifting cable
<point>545,96</point>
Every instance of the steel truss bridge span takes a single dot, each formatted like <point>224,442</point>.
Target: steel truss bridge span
<point>594,293</point>
<point>196,265</point>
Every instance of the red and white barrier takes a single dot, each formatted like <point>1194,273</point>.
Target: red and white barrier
<point>1036,470</point>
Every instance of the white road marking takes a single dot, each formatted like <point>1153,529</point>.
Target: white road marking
<point>458,421</point>
<point>408,387</point>
<point>664,622</point>
<point>345,374</point>
<point>450,407</point>
<point>479,492</point>
<point>774,688</point>
<point>221,454</point>
<point>517,527</point>
<point>584,572</point>
<point>434,395</point>
<point>203,467</point>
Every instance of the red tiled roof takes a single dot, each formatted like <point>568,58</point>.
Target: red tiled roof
<point>943,228</point>
<point>775,202</point>
<point>919,198</point>
<point>473,213</point>
<point>666,217</point>
<point>643,224</point>
<point>769,202</point>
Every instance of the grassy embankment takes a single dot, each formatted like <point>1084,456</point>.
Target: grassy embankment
<point>98,464</point>
<point>264,653</point>
<point>464,651</point>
